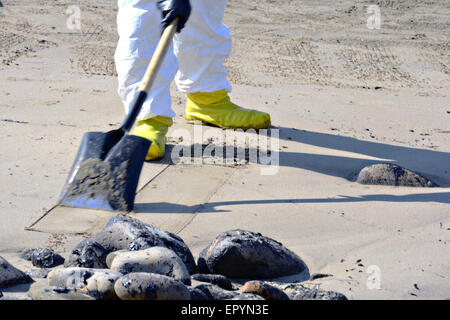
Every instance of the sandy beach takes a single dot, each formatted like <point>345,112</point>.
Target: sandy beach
<point>343,93</point>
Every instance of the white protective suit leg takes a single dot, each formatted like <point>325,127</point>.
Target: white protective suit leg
<point>138,25</point>
<point>202,47</point>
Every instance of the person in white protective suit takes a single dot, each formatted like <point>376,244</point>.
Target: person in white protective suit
<point>195,61</point>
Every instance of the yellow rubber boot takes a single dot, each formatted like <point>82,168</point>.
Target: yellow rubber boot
<point>155,130</point>
<point>216,108</point>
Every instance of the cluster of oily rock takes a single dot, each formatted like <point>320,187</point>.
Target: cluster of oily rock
<point>131,260</point>
<point>126,233</point>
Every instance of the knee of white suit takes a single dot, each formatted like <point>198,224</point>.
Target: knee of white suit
<point>197,58</point>
<point>201,49</point>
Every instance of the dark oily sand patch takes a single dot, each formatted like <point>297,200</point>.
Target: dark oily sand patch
<point>10,276</point>
<point>217,152</point>
<point>245,254</point>
<point>150,286</point>
<point>264,290</point>
<point>392,175</point>
<point>158,260</point>
<point>217,279</point>
<point>123,232</point>
<point>214,292</point>
<point>14,45</point>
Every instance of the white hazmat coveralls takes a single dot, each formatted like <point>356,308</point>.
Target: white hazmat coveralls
<point>195,60</point>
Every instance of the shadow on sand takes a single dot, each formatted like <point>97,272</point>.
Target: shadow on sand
<point>434,165</point>
<point>210,207</point>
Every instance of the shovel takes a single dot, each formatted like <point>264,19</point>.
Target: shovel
<point>107,167</point>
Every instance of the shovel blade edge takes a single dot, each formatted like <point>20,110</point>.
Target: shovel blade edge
<point>105,180</point>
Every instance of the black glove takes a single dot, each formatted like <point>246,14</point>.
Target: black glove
<point>174,8</point>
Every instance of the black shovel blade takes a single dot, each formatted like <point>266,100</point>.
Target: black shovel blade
<point>106,171</point>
